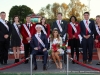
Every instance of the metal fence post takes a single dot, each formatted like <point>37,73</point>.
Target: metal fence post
<point>67,69</point>
<point>30,64</point>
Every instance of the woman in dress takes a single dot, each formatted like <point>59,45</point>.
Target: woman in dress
<point>16,39</point>
<point>73,32</point>
<point>56,40</point>
<point>97,37</point>
<point>46,28</point>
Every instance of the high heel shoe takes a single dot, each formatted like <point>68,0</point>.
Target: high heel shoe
<point>15,61</point>
<point>60,65</point>
<point>57,66</point>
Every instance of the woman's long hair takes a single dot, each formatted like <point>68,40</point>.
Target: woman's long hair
<point>58,36</point>
<point>98,16</point>
<point>15,17</point>
<point>42,19</point>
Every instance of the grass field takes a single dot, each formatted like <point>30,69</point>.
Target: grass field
<point>43,74</point>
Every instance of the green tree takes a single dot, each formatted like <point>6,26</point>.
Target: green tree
<point>22,11</point>
<point>76,8</point>
<point>64,9</point>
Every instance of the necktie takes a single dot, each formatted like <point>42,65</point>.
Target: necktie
<point>86,28</point>
<point>28,26</point>
<point>39,42</point>
<point>59,21</point>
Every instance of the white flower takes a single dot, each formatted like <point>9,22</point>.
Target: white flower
<point>76,24</point>
<point>31,25</point>
<point>61,22</point>
<point>89,22</point>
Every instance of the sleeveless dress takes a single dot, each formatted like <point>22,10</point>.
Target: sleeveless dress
<point>97,37</point>
<point>55,41</point>
<point>15,39</point>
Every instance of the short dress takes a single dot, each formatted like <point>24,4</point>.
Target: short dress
<point>97,37</point>
<point>15,38</point>
<point>97,45</point>
<point>55,41</point>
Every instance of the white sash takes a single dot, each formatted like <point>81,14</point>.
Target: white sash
<point>87,26</point>
<point>4,23</point>
<point>17,29</point>
<point>45,33</point>
<point>97,29</point>
<point>44,30</point>
<point>80,38</point>
<point>59,26</point>
<point>41,42</point>
<point>27,30</point>
<point>74,28</point>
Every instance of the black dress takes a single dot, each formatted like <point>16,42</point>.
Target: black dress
<point>44,28</point>
<point>15,39</point>
<point>74,43</point>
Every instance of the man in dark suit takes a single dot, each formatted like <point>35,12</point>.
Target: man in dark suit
<point>61,25</point>
<point>87,30</point>
<point>39,44</point>
<point>5,32</point>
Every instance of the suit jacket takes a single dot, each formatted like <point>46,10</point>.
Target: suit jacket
<point>70,31</point>
<point>34,41</point>
<point>4,31</point>
<point>83,28</point>
<point>25,34</point>
<point>63,25</point>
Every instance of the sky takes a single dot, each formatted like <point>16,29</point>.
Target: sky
<point>5,5</point>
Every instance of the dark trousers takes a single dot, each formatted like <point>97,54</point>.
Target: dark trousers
<point>4,46</point>
<point>74,44</point>
<point>27,49</point>
<point>87,45</point>
<point>40,52</point>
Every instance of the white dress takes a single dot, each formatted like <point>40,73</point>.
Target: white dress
<point>55,41</point>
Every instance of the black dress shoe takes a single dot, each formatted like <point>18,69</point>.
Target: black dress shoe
<point>5,64</point>
<point>35,68</point>
<point>26,62</point>
<point>1,63</point>
<point>17,60</point>
<point>73,62</point>
<point>98,63</point>
<point>84,62</point>
<point>44,68</point>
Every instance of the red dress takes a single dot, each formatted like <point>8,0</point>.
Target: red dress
<point>97,45</point>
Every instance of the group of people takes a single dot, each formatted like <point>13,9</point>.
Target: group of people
<point>37,38</point>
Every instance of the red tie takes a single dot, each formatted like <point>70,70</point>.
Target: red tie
<point>86,28</point>
<point>59,21</point>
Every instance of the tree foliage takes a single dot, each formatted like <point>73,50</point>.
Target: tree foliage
<point>75,7</point>
<point>22,11</point>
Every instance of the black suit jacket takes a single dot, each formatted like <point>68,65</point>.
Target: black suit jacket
<point>34,41</point>
<point>83,28</point>
<point>63,25</point>
<point>4,31</point>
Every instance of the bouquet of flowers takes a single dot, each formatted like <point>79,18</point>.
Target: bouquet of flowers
<point>55,47</point>
<point>64,47</point>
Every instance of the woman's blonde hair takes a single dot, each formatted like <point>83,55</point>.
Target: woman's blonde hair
<point>58,36</point>
<point>98,16</point>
